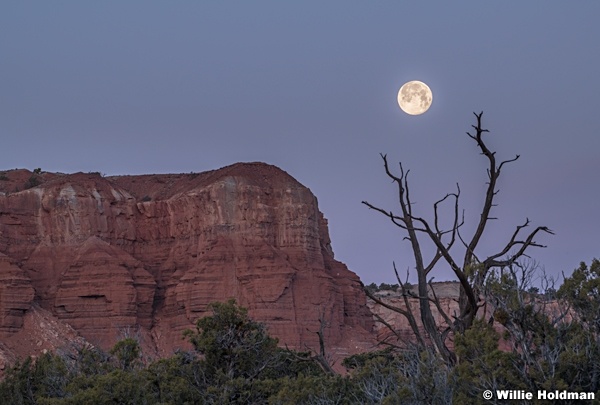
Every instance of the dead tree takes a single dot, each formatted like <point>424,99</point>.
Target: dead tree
<point>472,270</point>
<point>321,358</point>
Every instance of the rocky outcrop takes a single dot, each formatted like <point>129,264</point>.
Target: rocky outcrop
<point>148,253</point>
<point>447,294</point>
<point>104,283</point>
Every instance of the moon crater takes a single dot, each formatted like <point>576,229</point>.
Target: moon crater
<point>415,97</point>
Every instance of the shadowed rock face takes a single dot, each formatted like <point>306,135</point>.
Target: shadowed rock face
<point>148,253</point>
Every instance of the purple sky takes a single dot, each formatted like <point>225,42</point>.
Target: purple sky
<point>155,87</point>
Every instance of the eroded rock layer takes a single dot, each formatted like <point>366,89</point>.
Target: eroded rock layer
<point>148,253</point>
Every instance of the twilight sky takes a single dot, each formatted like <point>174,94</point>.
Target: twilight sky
<point>132,87</point>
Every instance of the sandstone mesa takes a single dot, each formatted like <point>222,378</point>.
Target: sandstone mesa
<point>89,257</point>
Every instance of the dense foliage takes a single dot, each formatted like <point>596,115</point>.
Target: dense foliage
<point>549,343</point>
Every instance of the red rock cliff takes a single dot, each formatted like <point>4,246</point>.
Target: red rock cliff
<point>148,253</point>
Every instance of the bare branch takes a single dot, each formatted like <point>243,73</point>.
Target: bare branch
<point>321,357</point>
<point>508,161</point>
<point>490,192</point>
<point>387,325</point>
<point>406,313</point>
<point>389,214</point>
<point>408,200</point>
<point>436,301</point>
<point>524,244</point>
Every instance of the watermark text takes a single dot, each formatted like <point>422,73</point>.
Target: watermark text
<point>540,395</point>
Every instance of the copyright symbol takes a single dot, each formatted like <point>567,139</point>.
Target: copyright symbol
<point>487,394</point>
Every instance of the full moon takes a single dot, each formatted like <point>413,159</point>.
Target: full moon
<point>415,97</point>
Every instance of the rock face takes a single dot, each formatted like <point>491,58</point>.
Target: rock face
<point>447,292</point>
<point>16,296</point>
<point>108,255</point>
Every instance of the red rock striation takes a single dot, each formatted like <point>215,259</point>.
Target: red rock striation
<point>16,296</point>
<point>148,253</point>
